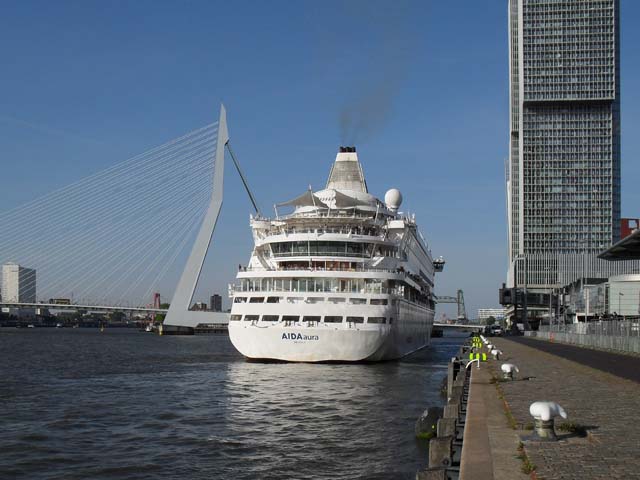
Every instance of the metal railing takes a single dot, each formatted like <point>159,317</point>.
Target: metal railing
<point>612,328</point>
<point>322,254</point>
<point>322,269</point>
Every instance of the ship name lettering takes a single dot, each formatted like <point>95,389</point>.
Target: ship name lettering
<point>299,336</point>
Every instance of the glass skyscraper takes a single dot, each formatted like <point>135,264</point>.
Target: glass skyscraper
<point>563,173</point>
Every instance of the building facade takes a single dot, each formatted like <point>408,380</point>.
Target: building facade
<point>18,284</point>
<point>485,313</point>
<point>215,303</point>
<point>563,172</point>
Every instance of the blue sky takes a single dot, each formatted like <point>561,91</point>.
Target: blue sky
<point>87,84</point>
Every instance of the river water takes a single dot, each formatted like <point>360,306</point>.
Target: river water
<point>77,404</point>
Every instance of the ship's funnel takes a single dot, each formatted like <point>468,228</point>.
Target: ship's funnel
<point>346,172</point>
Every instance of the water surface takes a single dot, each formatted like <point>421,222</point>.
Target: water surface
<point>76,404</point>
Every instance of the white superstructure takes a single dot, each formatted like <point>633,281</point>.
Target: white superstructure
<point>342,277</point>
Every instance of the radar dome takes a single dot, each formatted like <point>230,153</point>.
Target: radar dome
<point>393,199</point>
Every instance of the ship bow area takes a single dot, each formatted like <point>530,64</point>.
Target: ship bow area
<point>306,344</point>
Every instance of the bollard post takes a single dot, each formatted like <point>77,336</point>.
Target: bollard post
<point>543,414</point>
<point>545,429</point>
<point>507,370</point>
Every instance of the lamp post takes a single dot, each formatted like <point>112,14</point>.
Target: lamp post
<point>517,258</point>
<point>620,294</point>
<point>547,277</point>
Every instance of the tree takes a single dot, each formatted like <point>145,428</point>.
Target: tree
<point>491,320</point>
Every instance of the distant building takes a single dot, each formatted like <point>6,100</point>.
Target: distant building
<point>199,306</point>
<point>215,304</point>
<point>18,284</point>
<point>485,313</point>
<point>628,226</point>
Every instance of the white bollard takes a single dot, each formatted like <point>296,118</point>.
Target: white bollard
<point>496,354</point>
<point>543,413</point>
<point>508,369</point>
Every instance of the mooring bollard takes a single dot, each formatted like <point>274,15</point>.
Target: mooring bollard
<point>508,369</point>
<point>543,414</point>
<point>496,354</point>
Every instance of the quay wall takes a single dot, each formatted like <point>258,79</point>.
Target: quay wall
<point>624,344</point>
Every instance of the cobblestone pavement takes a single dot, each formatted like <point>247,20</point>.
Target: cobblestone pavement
<point>608,406</point>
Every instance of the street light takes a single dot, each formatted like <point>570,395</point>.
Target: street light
<point>620,294</point>
<point>548,274</point>
<point>525,320</point>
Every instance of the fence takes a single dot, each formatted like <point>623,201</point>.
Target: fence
<point>618,335</point>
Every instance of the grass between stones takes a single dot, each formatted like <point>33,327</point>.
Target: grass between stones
<point>572,427</point>
<point>527,466</point>
<point>507,411</point>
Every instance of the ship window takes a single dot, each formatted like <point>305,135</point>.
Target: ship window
<point>310,319</point>
<point>378,301</point>
<point>315,299</point>
<point>376,320</point>
<point>290,318</point>
<point>295,300</point>
<point>336,300</point>
<point>256,300</point>
<point>270,318</point>
<point>273,299</point>
<point>331,319</point>
<point>355,319</point>
<point>235,318</point>
<point>357,301</point>
<point>240,300</point>
<point>251,318</point>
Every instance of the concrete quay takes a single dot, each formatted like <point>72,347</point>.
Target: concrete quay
<point>603,438</point>
<point>473,439</point>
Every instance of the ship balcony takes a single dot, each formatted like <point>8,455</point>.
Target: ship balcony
<point>248,293</point>
<point>368,238</point>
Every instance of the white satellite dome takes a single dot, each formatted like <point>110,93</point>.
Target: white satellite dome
<point>393,199</point>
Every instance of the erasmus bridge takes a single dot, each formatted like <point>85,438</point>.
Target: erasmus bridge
<point>108,241</point>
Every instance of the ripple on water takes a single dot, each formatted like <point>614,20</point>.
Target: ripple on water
<point>78,404</point>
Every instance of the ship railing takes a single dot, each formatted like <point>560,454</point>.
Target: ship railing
<point>329,214</point>
<point>323,269</point>
<point>366,232</point>
<point>233,288</point>
<point>323,254</point>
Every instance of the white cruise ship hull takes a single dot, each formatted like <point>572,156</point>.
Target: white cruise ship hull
<point>335,343</point>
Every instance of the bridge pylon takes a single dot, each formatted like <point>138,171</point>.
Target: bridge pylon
<point>179,317</point>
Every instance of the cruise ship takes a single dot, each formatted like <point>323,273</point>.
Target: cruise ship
<point>337,275</point>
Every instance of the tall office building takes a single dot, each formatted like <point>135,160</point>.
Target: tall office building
<point>215,303</point>
<point>18,284</point>
<point>563,173</point>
